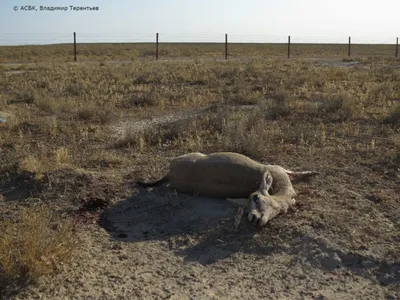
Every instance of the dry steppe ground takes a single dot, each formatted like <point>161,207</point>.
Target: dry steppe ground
<point>182,51</point>
<point>77,135</point>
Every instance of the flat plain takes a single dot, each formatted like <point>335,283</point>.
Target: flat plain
<point>74,137</point>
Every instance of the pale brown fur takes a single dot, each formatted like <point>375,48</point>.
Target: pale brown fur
<point>219,175</point>
<point>234,177</point>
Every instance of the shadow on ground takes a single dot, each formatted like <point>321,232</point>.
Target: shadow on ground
<point>202,231</point>
<point>18,186</point>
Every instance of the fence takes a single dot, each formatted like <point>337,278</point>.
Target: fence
<point>295,46</point>
<point>226,47</point>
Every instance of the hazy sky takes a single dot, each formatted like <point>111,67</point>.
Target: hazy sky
<point>202,20</point>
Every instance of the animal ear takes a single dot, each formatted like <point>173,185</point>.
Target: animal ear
<point>266,182</point>
<point>240,201</point>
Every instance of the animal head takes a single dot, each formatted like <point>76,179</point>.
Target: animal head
<point>262,206</point>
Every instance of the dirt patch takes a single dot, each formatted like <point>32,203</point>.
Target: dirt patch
<point>135,126</point>
<point>161,214</point>
<point>15,72</point>
<point>333,62</point>
<point>85,191</point>
<point>342,242</point>
<point>119,130</point>
<point>160,244</point>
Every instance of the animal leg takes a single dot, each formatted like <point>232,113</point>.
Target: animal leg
<point>292,205</point>
<point>300,176</point>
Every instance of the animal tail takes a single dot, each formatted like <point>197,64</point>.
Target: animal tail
<point>151,184</point>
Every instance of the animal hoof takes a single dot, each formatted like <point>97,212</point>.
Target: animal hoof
<point>292,205</point>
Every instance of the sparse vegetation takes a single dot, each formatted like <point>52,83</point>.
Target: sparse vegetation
<point>82,131</point>
<point>145,51</point>
<point>34,243</point>
<point>280,105</point>
<point>335,107</point>
<point>23,96</point>
<point>394,118</point>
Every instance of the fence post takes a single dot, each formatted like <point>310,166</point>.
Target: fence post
<point>349,48</point>
<point>226,46</point>
<point>74,46</point>
<point>397,47</point>
<point>288,48</point>
<point>157,46</point>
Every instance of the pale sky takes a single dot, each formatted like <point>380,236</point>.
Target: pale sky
<point>366,21</point>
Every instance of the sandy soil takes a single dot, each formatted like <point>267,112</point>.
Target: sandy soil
<point>340,244</point>
<point>343,242</point>
<point>161,245</point>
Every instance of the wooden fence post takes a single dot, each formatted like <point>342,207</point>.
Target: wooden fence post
<point>157,46</point>
<point>74,46</point>
<point>288,48</point>
<point>226,46</point>
<point>349,48</point>
<point>397,47</point>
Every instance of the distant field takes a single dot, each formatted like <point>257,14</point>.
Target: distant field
<point>133,51</point>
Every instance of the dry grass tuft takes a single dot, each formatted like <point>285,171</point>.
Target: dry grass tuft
<point>61,156</point>
<point>24,96</point>
<point>280,105</point>
<point>394,119</point>
<point>31,164</point>
<point>339,107</point>
<point>143,98</point>
<point>334,107</point>
<point>34,244</point>
<point>107,160</point>
<point>99,115</point>
<point>48,105</point>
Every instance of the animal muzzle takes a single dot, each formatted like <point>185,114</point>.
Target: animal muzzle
<point>257,218</point>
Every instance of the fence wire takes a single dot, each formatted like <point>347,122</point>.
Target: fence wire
<point>202,44</point>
